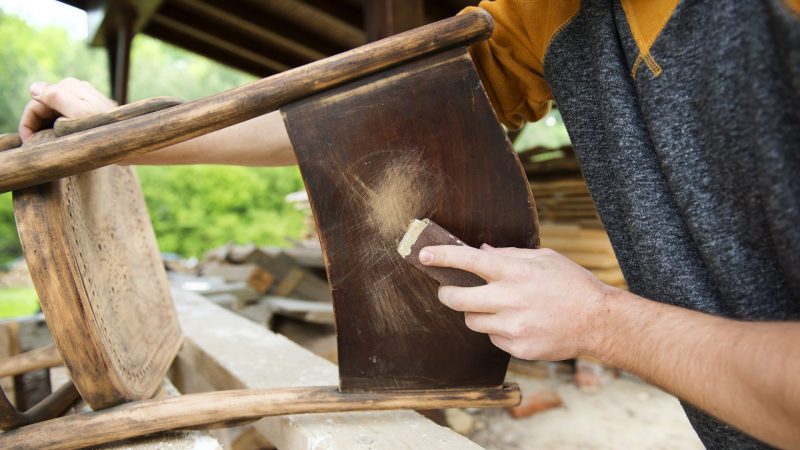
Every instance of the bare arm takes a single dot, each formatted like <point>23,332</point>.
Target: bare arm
<point>539,305</point>
<point>261,141</point>
<point>745,373</point>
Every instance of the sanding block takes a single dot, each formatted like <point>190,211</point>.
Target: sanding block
<point>424,233</point>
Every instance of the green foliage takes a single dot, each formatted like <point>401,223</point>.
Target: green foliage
<point>193,209</point>
<point>239,204</point>
<point>160,69</point>
<point>9,242</point>
<point>28,54</point>
<point>548,132</point>
<point>16,302</point>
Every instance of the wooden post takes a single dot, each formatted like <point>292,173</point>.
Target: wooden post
<point>384,18</point>
<point>118,38</point>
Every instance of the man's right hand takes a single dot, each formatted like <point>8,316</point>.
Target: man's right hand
<point>69,97</point>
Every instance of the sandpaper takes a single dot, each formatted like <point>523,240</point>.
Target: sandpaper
<point>424,233</point>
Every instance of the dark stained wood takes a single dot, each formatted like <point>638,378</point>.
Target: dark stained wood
<point>418,140</point>
<point>306,16</point>
<point>248,26</point>
<point>118,38</point>
<point>169,35</point>
<point>95,263</point>
<point>326,27</point>
<point>102,146</point>
<point>233,43</point>
<point>384,18</point>
<point>212,408</point>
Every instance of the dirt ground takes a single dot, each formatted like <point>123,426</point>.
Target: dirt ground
<point>626,414</point>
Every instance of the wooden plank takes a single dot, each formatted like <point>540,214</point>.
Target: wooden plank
<point>225,351</point>
<point>324,25</point>
<point>205,36</point>
<point>172,440</point>
<point>444,156</point>
<point>384,18</point>
<point>294,279</point>
<point>252,274</point>
<point>221,15</point>
<point>314,312</point>
<point>307,256</point>
<point>223,408</point>
<point>40,358</point>
<point>192,44</point>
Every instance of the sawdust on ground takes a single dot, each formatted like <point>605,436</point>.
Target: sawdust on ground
<point>626,414</point>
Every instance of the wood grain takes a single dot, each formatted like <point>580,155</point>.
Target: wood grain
<point>51,406</point>
<point>103,146</point>
<point>64,126</point>
<point>9,141</point>
<point>92,254</point>
<point>151,416</point>
<point>223,350</point>
<point>40,358</point>
<point>421,141</point>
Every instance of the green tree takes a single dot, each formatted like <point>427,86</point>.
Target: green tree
<point>193,208</point>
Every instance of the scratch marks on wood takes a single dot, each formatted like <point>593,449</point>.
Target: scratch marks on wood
<point>397,188</point>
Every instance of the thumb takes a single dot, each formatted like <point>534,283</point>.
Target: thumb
<point>37,89</point>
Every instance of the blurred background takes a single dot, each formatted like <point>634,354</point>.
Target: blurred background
<point>244,237</point>
<point>193,208</point>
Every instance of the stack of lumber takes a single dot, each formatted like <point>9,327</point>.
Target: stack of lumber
<point>261,282</point>
<point>559,189</point>
<point>587,246</point>
<point>563,200</point>
<point>271,270</point>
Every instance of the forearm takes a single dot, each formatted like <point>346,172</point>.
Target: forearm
<point>262,141</point>
<point>745,373</point>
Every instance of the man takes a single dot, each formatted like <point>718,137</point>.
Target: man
<point>686,122</point>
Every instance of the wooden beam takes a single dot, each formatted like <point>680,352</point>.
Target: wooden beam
<point>384,18</point>
<point>225,351</point>
<point>40,358</point>
<point>213,40</point>
<point>172,440</point>
<point>226,14</point>
<point>349,11</point>
<point>98,14</point>
<point>192,44</point>
<point>119,31</point>
<point>310,18</point>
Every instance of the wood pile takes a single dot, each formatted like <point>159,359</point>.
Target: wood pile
<point>260,282</point>
<point>559,189</point>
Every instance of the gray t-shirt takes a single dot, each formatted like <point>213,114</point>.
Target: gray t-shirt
<point>695,170</point>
